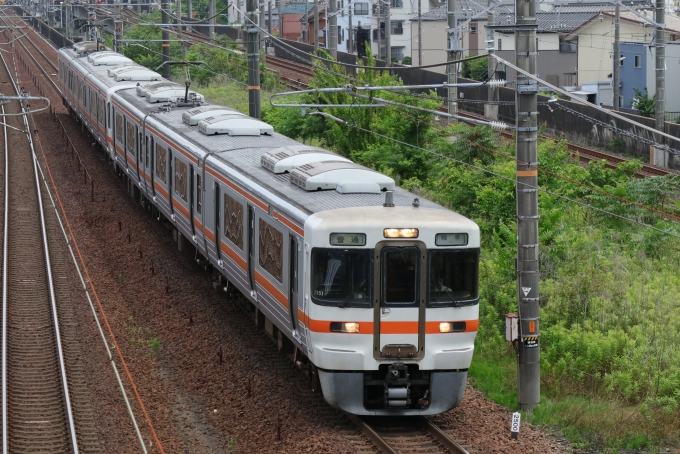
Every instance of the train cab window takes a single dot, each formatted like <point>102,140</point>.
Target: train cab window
<point>341,277</point>
<point>400,276</point>
<point>454,277</point>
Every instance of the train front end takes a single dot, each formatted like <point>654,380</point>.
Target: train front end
<point>392,304</point>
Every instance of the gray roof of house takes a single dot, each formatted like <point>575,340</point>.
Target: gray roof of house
<point>466,10</point>
<point>595,7</point>
<point>297,8</point>
<point>549,21</point>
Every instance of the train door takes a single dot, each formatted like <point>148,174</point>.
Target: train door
<point>216,204</point>
<point>251,246</point>
<point>139,155</point>
<point>399,302</point>
<point>192,203</point>
<point>293,280</point>
<point>171,177</point>
<point>151,159</point>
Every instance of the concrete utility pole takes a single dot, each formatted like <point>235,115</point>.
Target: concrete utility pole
<point>420,33</point>
<point>178,6</point>
<point>253,63</point>
<point>452,55</point>
<point>211,16</point>
<point>526,112</point>
<point>616,78</point>
<point>332,21</point>
<point>316,26</point>
<point>189,10</point>
<point>165,40</point>
<point>660,47</point>
<point>388,33</point>
<point>491,110</point>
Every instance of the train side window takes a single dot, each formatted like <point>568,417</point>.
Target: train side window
<point>119,128</point>
<point>270,250</point>
<point>130,137</point>
<point>161,163</point>
<point>199,194</point>
<point>181,173</point>
<point>233,220</point>
<point>102,112</point>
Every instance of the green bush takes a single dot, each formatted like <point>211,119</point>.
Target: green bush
<point>406,60</point>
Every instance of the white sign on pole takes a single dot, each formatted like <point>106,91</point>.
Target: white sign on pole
<point>514,427</point>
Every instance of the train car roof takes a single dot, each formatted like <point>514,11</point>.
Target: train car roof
<point>243,154</point>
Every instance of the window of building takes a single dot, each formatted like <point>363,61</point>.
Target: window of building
<point>397,27</point>
<point>621,101</point>
<point>398,53</point>
<point>621,57</point>
<point>500,44</point>
<point>361,9</point>
<point>340,34</point>
<point>638,61</point>
<point>397,3</point>
<point>473,28</point>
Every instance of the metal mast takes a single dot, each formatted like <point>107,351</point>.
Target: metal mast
<point>660,47</point>
<point>491,110</point>
<point>253,62</point>
<point>350,48</point>
<point>165,40</point>
<point>332,21</point>
<point>616,58</point>
<point>420,33</point>
<point>316,26</point>
<point>388,33</point>
<point>452,55</point>
<point>529,372</point>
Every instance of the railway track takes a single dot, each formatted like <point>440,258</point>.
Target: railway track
<point>414,434</point>
<point>37,413</point>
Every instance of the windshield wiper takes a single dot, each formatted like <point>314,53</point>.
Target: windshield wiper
<point>344,302</point>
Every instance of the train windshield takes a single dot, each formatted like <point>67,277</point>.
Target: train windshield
<point>454,277</point>
<point>341,277</point>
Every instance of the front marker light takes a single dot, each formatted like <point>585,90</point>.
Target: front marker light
<point>452,327</point>
<point>344,327</point>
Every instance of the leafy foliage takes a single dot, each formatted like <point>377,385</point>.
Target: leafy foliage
<point>643,103</point>
<point>475,69</point>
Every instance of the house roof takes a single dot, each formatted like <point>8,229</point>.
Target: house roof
<point>297,8</point>
<point>549,21</point>
<point>466,10</point>
<point>591,7</point>
<point>672,22</point>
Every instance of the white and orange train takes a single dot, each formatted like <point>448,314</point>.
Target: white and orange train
<point>376,290</point>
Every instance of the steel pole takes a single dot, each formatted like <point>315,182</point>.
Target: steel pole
<point>388,33</point>
<point>332,21</point>
<point>526,105</point>
<point>420,33</point>
<point>616,58</point>
<point>166,40</point>
<point>491,110</point>
<point>350,48</point>
<point>452,55</point>
<point>660,47</point>
<point>211,18</point>
<point>316,26</point>
<point>253,63</point>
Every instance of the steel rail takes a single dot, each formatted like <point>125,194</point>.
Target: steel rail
<point>62,367</point>
<point>443,438</point>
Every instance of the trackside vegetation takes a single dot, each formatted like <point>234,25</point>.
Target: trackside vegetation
<point>609,252</point>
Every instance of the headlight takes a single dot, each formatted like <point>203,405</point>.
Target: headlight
<point>344,327</point>
<point>400,233</point>
<point>452,327</point>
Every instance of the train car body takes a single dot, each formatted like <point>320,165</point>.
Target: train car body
<point>376,289</point>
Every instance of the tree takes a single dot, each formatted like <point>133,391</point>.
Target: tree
<point>645,104</point>
<point>475,69</point>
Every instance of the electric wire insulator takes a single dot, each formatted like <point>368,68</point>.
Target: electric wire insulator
<point>498,125</point>
<point>496,83</point>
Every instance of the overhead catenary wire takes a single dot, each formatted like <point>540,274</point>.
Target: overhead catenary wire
<point>441,156</point>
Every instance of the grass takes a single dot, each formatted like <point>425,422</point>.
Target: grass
<point>225,92</point>
<point>587,421</point>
